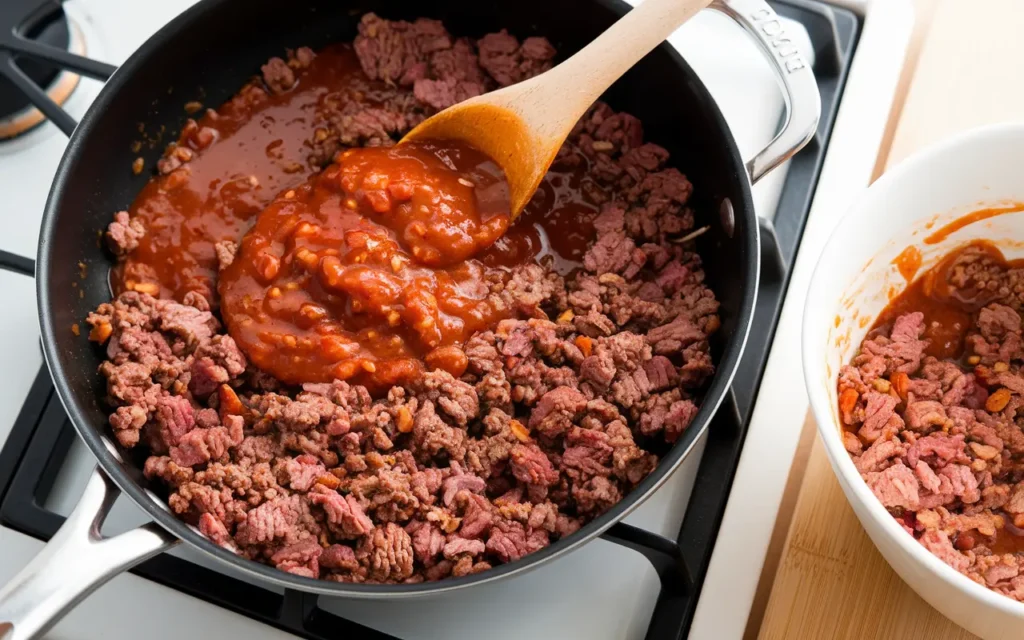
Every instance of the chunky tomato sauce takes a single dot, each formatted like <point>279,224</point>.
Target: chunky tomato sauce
<point>364,270</point>
<point>244,153</point>
<point>324,289</point>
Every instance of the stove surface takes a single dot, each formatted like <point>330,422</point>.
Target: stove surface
<point>602,591</point>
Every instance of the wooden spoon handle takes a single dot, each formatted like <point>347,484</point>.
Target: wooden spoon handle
<point>619,48</point>
<point>523,125</point>
<point>585,76</point>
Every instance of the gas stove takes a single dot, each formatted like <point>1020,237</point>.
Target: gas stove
<point>673,569</point>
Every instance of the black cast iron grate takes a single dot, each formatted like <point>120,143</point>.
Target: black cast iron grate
<point>42,434</point>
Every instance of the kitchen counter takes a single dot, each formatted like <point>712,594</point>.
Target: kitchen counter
<point>827,580</point>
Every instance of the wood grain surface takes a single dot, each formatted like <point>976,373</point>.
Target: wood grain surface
<point>831,581</point>
<point>964,71</point>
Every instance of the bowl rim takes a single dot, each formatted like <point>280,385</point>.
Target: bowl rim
<point>815,371</point>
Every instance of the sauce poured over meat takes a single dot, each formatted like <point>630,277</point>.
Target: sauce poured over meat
<point>364,271</point>
<point>270,142</point>
<point>493,451</point>
<point>949,295</point>
<point>931,409</point>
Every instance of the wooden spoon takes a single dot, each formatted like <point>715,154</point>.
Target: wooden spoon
<point>521,127</point>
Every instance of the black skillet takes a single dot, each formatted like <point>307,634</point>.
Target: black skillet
<point>210,51</point>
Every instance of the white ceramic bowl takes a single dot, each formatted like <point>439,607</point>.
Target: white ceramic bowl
<point>852,284</point>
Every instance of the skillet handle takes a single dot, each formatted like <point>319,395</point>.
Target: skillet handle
<point>76,561</point>
<point>17,264</point>
<point>799,88</point>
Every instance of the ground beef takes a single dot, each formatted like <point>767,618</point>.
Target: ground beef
<point>278,76</point>
<point>124,233</point>
<point>939,441</point>
<point>226,250</point>
<point>558,410</point>
<point>396,51</point>
<point>301,558</point>
<point>508,61</point>
<point>386,553</point>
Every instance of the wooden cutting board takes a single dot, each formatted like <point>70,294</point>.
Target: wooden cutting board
<point>830,581</point>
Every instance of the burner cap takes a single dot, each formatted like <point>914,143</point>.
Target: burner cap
<point>47,25</point>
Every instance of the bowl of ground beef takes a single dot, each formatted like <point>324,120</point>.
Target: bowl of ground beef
<point>914,364</point>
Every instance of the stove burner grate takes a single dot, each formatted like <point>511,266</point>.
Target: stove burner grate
<point>41,58</point>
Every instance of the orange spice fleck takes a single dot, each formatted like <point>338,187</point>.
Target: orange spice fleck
<point>101,332</point>
<point>900,381</point>
<point>848,400</point>
<point>998,400</point>
<point>585,344</point>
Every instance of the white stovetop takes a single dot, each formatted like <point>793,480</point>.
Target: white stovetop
<point>602,590</point>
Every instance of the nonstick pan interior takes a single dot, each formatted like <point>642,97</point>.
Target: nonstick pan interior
<point>208,53</point>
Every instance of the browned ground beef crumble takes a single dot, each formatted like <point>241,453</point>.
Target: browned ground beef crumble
<point>448,476</point>
<point>940,443</point>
